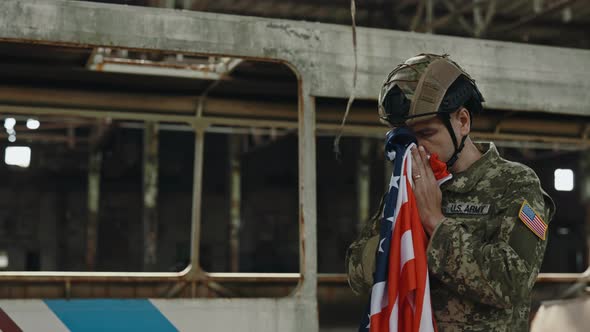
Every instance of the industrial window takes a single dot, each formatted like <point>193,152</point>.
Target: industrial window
<point>250,201</point>
<point>87,194</point>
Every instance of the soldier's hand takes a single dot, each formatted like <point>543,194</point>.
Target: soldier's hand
<point>426,190</point>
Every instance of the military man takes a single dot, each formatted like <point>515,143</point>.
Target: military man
<point>487,226</point>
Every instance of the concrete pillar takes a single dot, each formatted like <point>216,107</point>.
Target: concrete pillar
<point>363,182</point>
<point>197,196</point>
<point>429,15</point>
<point>48,231</point>
<point>94,166</point>
<point>235,202</point>
<point>584,177</point>
<point>150,195</point>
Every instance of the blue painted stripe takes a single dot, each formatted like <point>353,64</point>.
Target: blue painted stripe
<point>110,315</point>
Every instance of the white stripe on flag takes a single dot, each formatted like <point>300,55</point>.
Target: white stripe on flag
<point>534,224</point>
<point>426,317</point>
<point>393,322</point>
<point>407,249</point>
<point>379,297</point>
<point>32,316</point>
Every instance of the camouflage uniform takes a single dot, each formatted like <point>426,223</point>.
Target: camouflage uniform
<point>483,260</point>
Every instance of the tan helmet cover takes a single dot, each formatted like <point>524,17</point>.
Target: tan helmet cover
<point>424,80</point>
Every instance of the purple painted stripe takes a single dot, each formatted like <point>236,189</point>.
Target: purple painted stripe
<point>7,324</point>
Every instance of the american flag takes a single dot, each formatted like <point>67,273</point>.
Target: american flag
<point>400,297</point>
<point>532,220</point>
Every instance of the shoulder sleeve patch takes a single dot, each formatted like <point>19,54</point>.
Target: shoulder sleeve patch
<point>532,220</point>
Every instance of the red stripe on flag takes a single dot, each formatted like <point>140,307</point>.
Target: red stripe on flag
<point>533,224</point>
<point>7,324</point>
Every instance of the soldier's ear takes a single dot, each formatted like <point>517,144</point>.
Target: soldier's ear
<point>464,119</point>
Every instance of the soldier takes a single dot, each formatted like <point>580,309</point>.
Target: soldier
<point>487,226</point>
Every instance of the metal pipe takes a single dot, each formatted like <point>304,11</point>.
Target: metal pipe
<point>429,15</point>
<point>149,277</point>
<point>94,166</point>
<point>197,197</point>
<point>235,202</point>
<point>150,195</point>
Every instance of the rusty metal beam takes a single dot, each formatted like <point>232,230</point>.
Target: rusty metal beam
<point>442,21</point>
<point>306,48</point>
<point>451,7</point>
<point>553,7</point>
<point>417,19</point>
<point>195,266</point>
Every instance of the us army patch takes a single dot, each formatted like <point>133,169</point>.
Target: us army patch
<point>532,220</point>
<point>466,208</point>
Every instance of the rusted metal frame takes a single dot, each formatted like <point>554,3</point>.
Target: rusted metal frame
<point>477,16</point>
<point>448,18</point>
<point>195,271</point>
<point>199,5</point>
<point>462,22</point>
<point>490,12</point>
<point>553,7</point>
<point>300,42</point>
<point>429,15</point>
<point>219,277</point>
<point>352,130</point>
<point>417,19</point>
<point>307,287</point>
<point>195,4</point>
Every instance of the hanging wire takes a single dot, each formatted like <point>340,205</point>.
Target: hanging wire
<point>354,78</point>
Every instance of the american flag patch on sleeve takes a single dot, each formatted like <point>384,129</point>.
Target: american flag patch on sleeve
<point>532,220</point>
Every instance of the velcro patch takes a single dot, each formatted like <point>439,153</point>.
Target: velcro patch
<point>532,220</point>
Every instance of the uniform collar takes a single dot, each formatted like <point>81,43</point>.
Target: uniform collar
<point>465,181</point>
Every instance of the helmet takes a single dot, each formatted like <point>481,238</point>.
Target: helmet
<point>426,86</point>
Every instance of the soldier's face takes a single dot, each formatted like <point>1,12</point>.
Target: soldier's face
<point>433,135</point>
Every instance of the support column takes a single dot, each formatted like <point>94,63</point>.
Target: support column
<point>429,15</point>
<point>363,182</point>
<point>585,193</point>
<point>150,195</point>
<point>197,195</point>
<point>94,166</point>
<point>235,202</point>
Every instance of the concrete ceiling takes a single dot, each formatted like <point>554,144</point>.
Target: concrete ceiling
<point>562,23</point>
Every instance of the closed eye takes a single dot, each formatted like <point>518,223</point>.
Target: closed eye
<point>425,133</point>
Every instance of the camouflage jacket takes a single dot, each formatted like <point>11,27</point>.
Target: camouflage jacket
<point>483,260</point>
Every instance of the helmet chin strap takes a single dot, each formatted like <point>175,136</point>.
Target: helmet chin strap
<point>446,118</point>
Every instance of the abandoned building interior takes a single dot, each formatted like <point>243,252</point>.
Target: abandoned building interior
<point>185,149</point>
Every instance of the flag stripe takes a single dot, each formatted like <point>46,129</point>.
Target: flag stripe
<point>538,226</point>
<point>534,224</point>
